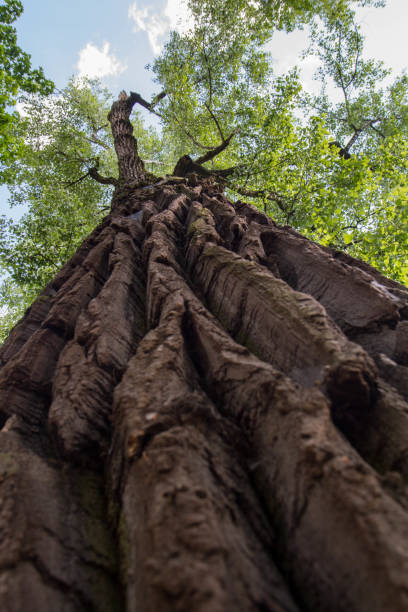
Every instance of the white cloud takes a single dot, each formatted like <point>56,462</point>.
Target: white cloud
<point>154,25</point>
<point>94,62</point>
<point>179,16</point>
<point>175,16</point>
<point>21,108</point>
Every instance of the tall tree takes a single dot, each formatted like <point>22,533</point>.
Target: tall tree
<point>204,411</point>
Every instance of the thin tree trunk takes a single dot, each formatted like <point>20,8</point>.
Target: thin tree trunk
<point>207,412</point>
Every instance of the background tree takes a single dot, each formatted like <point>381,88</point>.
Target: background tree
<point>16,75</point>
<point>369,126</point>
<point>258,20</point>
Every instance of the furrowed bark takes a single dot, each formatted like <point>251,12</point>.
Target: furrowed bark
<point>92,363</point>
<point>196,548</point>
<point>56,551</point>
<point>205,412</point>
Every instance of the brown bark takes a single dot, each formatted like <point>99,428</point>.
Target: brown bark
<point>131,167</point>
<point>206,412</point>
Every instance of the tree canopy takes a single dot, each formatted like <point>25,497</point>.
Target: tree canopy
<point>335,170</point>
<point>332,165</point>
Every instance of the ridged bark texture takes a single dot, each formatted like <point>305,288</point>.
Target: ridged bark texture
<point>204,412</point>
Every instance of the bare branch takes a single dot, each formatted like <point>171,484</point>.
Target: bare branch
<point>273,196</point>
<point>104,180</point>
<point>72,183</point>
<point>224,172</point>
<point>214,118</point>
<point>214,152</point>
<point>93,173</point>
<point>186,165</point>
<point>157,99</point>
<point>136,98</point>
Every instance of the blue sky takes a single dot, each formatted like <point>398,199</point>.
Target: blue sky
<point>115,39</point>
<point>111,39</point>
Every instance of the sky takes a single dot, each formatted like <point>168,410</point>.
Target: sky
<point>115,40</point>
<point>110,39</point>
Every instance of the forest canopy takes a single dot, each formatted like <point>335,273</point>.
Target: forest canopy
<point>332,165</point>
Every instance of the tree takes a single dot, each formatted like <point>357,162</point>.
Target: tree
<point>204,411</point>
<point>16,75</point>
<point>369,126</point>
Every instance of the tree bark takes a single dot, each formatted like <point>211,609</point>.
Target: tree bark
<point>205,411</point>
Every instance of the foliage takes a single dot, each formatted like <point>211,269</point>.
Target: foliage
<point>256,20</point>
<point>13,297</point>
<point>214,91</point>
<point>363,208</point>
<point>16,75</point>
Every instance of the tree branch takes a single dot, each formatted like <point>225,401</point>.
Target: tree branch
<point>344,90</point>
<point>186,165</point>
<point>377,130</point>
<point>104,180</point>
<point>273,196</point>
<point>72,183</point>
<point>187,133</point>
<point>357,132</point>
<point>93,173</point>
<point>96,140</point>
<point>210,97</point>
<point>214,118</point>
<point>157,99</point>
<point>214,152</point>
<point>224,172</point>
<point>70,158</point>
<point>136,98</point>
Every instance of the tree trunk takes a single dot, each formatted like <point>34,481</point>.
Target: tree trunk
<point>207,412</point>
